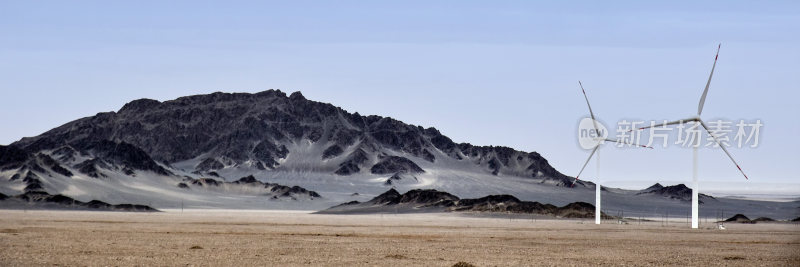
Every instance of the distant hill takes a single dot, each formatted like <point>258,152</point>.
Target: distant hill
<point>430,200</point>
<point>679,191</point>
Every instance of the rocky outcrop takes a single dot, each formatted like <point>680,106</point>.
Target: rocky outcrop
<point>209,164</point>
<point>12,157</point>
<point>679,192</point>
<point>577,210</point>
<point>123,155</point>
<point>389,197</point>
<point>53,165</point>
<point>285,191</point>
<point>32,182</point>
<point>44,200</point>
<point>395,164</point>
<point>248,180</point>
<point>204,182</point>
<point>421,198</point>
<point>652,189</point>
<point>739,218</point>
<point>272,190</point>
<point>90,167</point>
<point>399,178</point>
<point>332,152</point>
<point>502,203</point>
<point>65,154</point>
<point>268,153</point>
<point>15,158</point>
<point>429,200</point>
<point>352,163</point>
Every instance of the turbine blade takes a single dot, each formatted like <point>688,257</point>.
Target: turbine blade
<point>628,143</point>
<point>705,92</point>
<point>584,164</point>
<point>665,124</point>
<point>723,148</point>
<point>594,121</point>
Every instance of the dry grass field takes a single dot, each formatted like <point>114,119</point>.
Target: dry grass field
<point>280,238</point>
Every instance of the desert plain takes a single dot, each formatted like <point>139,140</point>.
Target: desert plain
<point>292,238</point>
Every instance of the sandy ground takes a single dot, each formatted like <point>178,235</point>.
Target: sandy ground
<point>280,238</point>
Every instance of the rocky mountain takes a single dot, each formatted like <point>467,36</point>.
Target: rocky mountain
<point>231,130</point>
<point>197,144</point>
<point>679,192</point>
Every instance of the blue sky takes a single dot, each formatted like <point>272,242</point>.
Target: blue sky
<point>488,73</point>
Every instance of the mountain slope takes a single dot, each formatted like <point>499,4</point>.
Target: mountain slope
<point>262,130</point>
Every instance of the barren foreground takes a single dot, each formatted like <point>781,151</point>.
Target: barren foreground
<point>203,237</point>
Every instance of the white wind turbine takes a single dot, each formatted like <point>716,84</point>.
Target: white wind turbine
<point>600,139</point>
<point>696,119</point>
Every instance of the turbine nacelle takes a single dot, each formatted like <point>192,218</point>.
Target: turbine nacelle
<point>593,134</point>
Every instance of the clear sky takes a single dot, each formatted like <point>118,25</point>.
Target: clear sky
<point>488,72</point>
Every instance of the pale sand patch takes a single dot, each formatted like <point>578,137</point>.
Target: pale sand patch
<point>225,237</point>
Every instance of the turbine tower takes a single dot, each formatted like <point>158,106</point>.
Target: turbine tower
<point>699,122</point>
<point>598,137</point>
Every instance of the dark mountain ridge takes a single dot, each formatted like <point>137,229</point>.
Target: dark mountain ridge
<point>679,192</point>
<point>431,200</point>
<point>44,200</point>
<point>256,130</point>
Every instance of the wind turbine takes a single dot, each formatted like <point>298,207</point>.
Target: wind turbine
<point>600,139</point>
<point>696,120</point>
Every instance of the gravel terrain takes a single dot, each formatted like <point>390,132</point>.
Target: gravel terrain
<point>281,238</point>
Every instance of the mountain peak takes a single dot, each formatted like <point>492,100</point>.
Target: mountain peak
<point>679,191</point>
<point>679,187</point>
<point>652,188</point>
<point>390,196</point>
<point>139,104</point>
<point>271,93</point>
<point>297,96</point>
